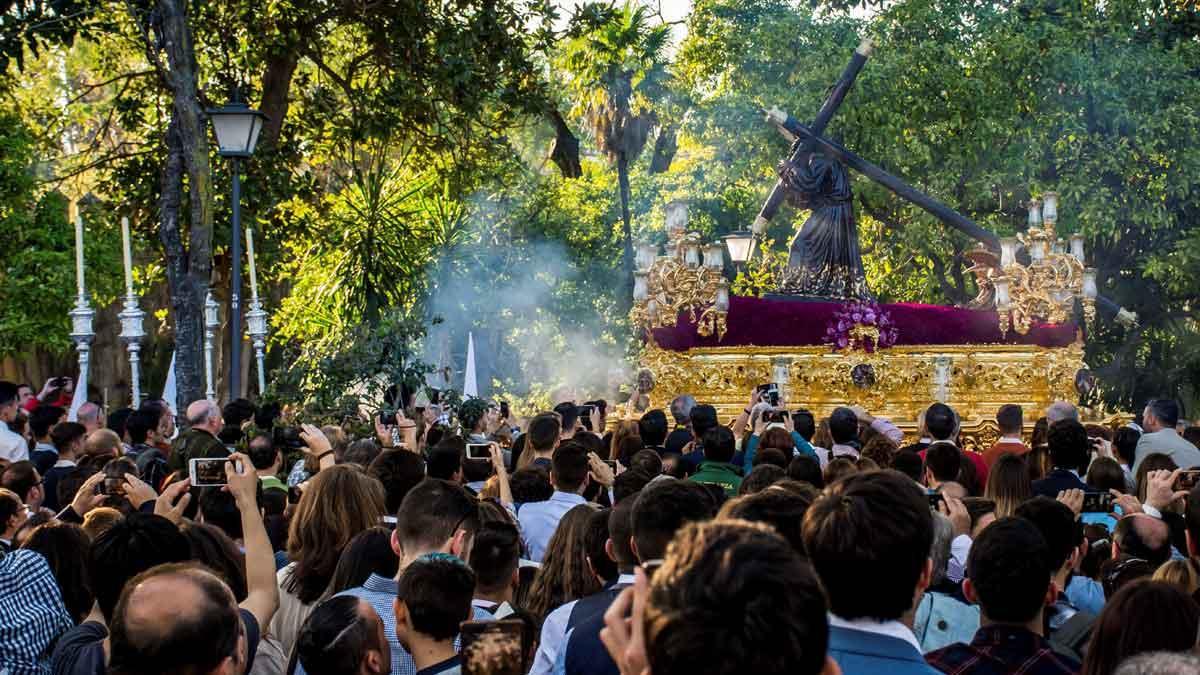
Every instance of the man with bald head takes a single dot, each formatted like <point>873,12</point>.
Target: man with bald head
<point>90,416</point>
<point>1142,536</point>
<point>1061,410</point>
<point>178,618</point>
<point>200,440</point>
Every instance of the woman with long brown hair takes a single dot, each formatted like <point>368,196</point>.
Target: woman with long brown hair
<point>338,503</point>
<point>625,429</point>
<point>1008,484</point>
<point>564,575</point>
<point>1144,616</point>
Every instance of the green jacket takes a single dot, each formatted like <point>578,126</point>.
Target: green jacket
<point>719,473</point>
<point>195,443</point>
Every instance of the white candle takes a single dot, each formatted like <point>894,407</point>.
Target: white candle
<point>128,256</point>
<point>253,272</point>
<point>78,247</point>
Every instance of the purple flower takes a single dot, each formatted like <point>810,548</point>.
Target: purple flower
<point>857,317</point>
<point>842,342</point>
<point>842,325</point>
<point>869,317</point>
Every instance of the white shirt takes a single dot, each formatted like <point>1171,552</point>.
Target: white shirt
<point>1015,440</point>
<point>12,445</point>
<point>893,629</point>
<point>554,633</point>
<point>956,567</point>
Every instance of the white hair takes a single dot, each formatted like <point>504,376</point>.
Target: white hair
<point>1160,663</point>
<point>1061,410</point>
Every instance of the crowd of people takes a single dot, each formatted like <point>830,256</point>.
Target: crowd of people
<point>438,541</point>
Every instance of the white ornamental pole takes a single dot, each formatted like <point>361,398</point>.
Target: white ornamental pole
<point>81,318</point>
<point>212,321</point>
<point>256,318</point>
<point>132,319</point>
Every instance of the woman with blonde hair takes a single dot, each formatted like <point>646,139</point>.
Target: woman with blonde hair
<point>1181,573</point>
<point>1008,484</point>
<point>337,504</point>
<point>625,429</point>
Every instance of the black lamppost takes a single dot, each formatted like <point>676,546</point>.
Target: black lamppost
<point>236,126</point>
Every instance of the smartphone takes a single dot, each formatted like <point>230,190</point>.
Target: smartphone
<point>1187,480</point>
<point>934,499</point>
<point>492,647</point>
<point>1097,502</point>
<point>612,464</point>
<point>479,452</point>
<point>294,495</point>
<point>387,419</point>
<point>585,416</point>
<point>209,471</point>
<point>504,413</point>
<point>113,486</point>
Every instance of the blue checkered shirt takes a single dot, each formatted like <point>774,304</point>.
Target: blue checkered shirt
<point>33,613</point>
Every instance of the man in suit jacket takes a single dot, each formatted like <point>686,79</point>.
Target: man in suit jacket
<point>869,538</point>
<point>1159,420</point>
<point>1010,420</point>
<point>1069,447</point>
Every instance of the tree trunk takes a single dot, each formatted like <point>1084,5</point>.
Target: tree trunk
<point>665,147</point>
<point>277,82</point>
<point>626,231</point>
<point>565,152</point>
<point>190,269</point>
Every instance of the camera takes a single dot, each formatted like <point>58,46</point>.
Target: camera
<point>287,437</point>
<point>387,419</point>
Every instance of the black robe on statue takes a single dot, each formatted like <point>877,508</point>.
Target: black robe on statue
<point>824,260</point>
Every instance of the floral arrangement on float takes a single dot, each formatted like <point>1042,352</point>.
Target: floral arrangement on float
<point>860,325</point>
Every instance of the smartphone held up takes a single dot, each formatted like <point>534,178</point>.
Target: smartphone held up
<point>210,471</point>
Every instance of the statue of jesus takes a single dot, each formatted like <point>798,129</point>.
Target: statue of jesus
<point>824,261</point>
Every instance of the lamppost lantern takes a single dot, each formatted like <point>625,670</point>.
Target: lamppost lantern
<point>236,126</point>
<point>739,245</point>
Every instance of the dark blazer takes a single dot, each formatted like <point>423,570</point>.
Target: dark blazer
<point>1056,481</point>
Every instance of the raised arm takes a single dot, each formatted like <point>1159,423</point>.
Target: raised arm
<point>262,596</point>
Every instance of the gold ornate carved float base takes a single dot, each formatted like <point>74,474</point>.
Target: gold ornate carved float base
<point>973,379</point>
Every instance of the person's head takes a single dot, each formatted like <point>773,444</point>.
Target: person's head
<point>67,438</point>
<point>1062,533</point>
<point>1142,536</point>
<point>719,444</point>
<point>344,635</point>
<point>9,398</point>
<point>1182,573</point>
<point>661,510</point>
<point>42,419</point>
<point>369,552</point>
<point>214,549</point>
<point>596,544</point>
<point>219,509</point>
<point>838,468</point>
<point>1144,616</point>
<point>1160,413</point>
<point>941,422</point>
<point>1155,461</point>
<point>943,462</point>
<point>652,427</point>
<point>142,426</point>
<point>1011,420</point>
<point>65,548</point>
<point>495,557</point>
<point>543,433</point>
<point>723,578</point>
<point>434,597</point>
<point>90,416</point>
<point>1061,410</point>
<point>1105,474</point>
<point>1008,484</point>
<point>133,545</point>
<point>177,618</point>
<point>910,464</point>
<point>100,520</point>
<point>880,449</point>
<point>807,469</point>
<point>804,423</point>
<point>362,452</point>
<point>471,414</point>
<point>843,426</point>
<point>869,537</point>
<point>568,415</point>
<point>13,513</point>
<point>760,478</point>
<point>620,535</point>
<point>338,503</point>
<point>703,418</point>
<point>681,409</point>
<point>565,574</point>
<point>204,414</point>
<point>1125,444</point>
<point>569,468</point>
<point>399,471</point>
<point>1160,663</point>
<point>103,443</point>
<point>436,516</point>
<point>629,484</point>
<point>783,510</point>
<point>530,484</point>
<point>1069,445</point>
<point>648,461</point>
<point>23,479</point>
<point>265,457</point>
<point>446,461</point>
<point>1008,573</point>
<point>24,393</point>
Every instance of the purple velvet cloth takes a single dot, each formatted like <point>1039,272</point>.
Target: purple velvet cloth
<point>792,323</point>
